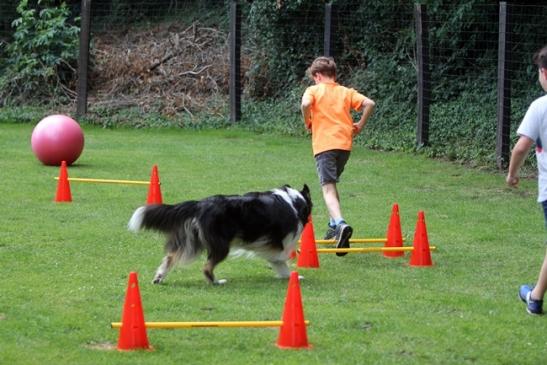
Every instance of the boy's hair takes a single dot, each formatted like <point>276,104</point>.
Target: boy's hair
<point>324,65</point>
<point>540,58</point>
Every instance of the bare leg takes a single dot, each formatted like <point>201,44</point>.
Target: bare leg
<point>332,200</point>
<point>541,285</point>
<point>166,265</point>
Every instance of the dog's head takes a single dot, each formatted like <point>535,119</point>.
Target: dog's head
<point>302,202</point>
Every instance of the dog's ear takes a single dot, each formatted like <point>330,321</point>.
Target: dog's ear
<point>306,190</point>
<point>307,197</point>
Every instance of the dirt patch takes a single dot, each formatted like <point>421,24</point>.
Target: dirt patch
<point>168,68</point>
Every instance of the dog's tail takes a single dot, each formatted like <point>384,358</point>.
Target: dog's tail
<point>161,217</point>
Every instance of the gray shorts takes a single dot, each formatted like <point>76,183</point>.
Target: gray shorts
<point>330,165</point>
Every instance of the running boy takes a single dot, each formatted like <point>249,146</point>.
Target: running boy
<point>533,129</point>
<point>326,108</point>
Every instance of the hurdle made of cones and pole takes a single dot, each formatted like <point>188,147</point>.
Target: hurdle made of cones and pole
<point>63,193</point>
<point>393,243</point>
<point>133,328</point>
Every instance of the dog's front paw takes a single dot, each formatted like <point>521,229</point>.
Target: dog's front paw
<point>283,276</point>
<point>220,282</point>
<point>158,279</point>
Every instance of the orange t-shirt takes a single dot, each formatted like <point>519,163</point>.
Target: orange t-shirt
<point>331,121</point>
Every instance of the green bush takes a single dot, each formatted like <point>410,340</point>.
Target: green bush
<point>41,59</point>
<point>278,54</point>
<point>379,60</point>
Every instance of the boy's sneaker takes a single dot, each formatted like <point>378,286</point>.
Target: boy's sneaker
<point>330,234</point>
<point>532,306</point>
<point>343,233</point>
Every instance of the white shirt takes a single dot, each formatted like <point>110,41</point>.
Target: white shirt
<point>534,126</point>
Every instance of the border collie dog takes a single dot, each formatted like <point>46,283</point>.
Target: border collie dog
<point>267,224</point>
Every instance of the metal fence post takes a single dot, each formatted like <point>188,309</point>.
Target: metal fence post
<point>504,89</point>
<point>422,54</point>
<point>327,43</point>
<point>83,58</point>
<point>235,61</point>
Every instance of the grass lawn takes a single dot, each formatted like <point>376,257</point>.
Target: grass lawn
<point>64,266</point>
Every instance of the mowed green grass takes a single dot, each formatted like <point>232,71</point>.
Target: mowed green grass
<point>64,266</point>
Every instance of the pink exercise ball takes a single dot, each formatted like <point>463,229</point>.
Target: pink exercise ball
<point>57,138</point>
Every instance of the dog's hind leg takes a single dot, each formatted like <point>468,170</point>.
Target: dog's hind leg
<point>281,269</point>
<point>166,265</point>
<point>213,259</point>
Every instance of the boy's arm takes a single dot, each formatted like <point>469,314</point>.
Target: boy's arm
<point>305,108</point>
<point>368,106</point>
<point>519,153</point>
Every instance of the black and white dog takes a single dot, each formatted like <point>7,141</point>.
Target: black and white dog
<point>267,224</point>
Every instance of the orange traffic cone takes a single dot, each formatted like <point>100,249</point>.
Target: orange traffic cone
<point>394,235</point>
<point>292,333</point>
<point>154,191</point>
<point>63,186</point>
<point>308,250</point>
<point>133,330</point>
<point>421,255</point>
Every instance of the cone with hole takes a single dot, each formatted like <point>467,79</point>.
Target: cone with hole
<point>63,185</point>
<point>154,190</point>
<point>421,255</point>
<point>394,234</point>
<point>308,250</point>
<point>292,334</point>
<point>133,331</point>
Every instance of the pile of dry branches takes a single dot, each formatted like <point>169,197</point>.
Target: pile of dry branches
<point>167,68</point>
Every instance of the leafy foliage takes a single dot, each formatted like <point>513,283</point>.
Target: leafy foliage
<point>109,14</point>
<point>278,56</point>
<point>41,58</point>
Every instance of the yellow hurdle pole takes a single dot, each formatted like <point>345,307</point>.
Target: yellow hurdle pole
<point>368,249</point>
<point>218,324</point>
<point>354,240</point>
<point>107,181</point>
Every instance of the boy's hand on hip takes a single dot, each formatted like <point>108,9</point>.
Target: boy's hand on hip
<point>356,129</point>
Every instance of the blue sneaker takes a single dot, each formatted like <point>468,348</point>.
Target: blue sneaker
<point>330,234</point>
<point>532,306</point>
<point>343,234</point>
